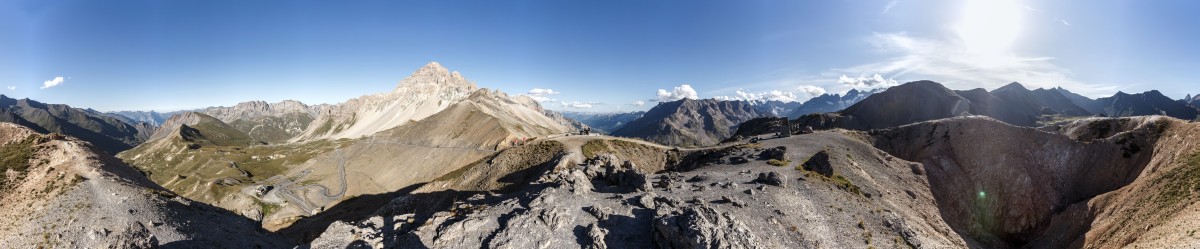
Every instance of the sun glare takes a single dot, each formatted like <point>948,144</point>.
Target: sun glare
<point>989,27</point>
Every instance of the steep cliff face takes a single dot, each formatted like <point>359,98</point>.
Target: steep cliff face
<point>268,122</point>
<point>690,122</point>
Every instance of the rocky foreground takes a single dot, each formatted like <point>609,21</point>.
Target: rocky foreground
<point>967,182</point>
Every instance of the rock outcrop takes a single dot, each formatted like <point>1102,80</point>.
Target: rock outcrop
<point>702,227</point>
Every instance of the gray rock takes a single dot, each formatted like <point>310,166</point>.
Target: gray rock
<point>624,175</point>
<point>647,200</point>
<point>777,153</point>
<point>701,227</point>
<point>596,234</point>
<point>733,201</point>
<point>820,163</point>
<point>771,178</point>
<point>601,213</point>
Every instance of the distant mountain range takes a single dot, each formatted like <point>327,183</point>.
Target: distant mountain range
<point>109,133</point>
<point>831,102</point>
<point>1147,103</point>
<point>604,122</point>
<point>1013,104</point>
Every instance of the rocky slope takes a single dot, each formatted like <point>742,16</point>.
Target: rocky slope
<point>604,122</point>
<point>427,91</point>
<point>60,192</point>
<point>690,122</point>
<point>973,182</point>
<point>715,198</point>
<point>1003,186</point>
<point>267,122</point>
<point>409,155</point>
<point>110,134</point>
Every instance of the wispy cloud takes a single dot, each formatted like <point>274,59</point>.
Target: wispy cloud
<point>1064,22</point>
<point>889,6</point>
<point>12,88</point>
<point>684,91</point>
<point>866,82</point>
<point>541,95</point>
<point>638,103</point>
<point>53,82</point>
<point>541,91</point>
<point>951,63</point>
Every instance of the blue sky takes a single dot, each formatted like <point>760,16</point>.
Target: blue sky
<point>594,55</point>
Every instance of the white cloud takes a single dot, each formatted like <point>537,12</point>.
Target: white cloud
<point>638,103</point>
<point>952,64</point>
<point>12,88</point>
<point>773,95</point>
<point>811,91</point>
<point>540,98</point>
<point>1065,22</point>
<point>540,92</point>
<point>578,105</point>
<point>684,91</point>
<point>863,82</point>
<point>53,82</point>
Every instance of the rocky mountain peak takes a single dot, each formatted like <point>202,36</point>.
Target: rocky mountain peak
<point>433,77</point>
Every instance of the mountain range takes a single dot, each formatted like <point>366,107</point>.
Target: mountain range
<point>690,122</point>
<point>108,133</point>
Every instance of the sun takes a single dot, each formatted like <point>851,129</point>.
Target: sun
<point>989,27</point>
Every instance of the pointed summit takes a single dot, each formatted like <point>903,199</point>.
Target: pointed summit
<point>434,75</point>
<point>432,67</point>
<point>1015,86</point>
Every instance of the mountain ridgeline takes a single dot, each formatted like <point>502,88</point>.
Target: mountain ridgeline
<point>110,134</point>
<point>690,122</point>
<point>1013,104</point>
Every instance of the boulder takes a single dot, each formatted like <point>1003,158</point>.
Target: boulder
<point>777,153</point>
<point>820,163</point>
<point>701,227</point>
<point>771,178</point>
<point>624,175</point>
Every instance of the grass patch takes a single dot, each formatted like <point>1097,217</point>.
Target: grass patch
<point>595,147</point>
<point>779,163</point>
<point>845,184</point>
<point>1180,183</point>
<point>16,155</point>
